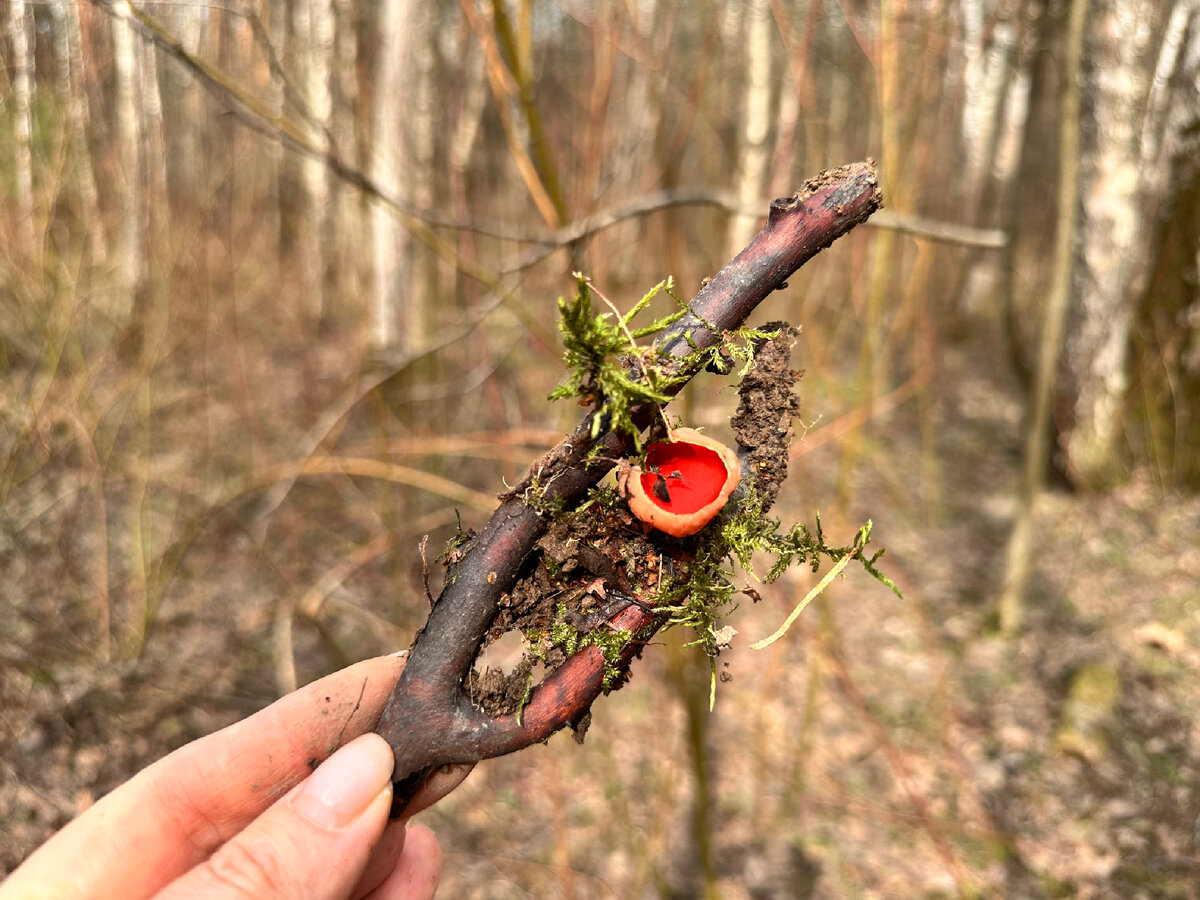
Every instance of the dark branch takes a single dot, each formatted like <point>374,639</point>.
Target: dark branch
<point>430,721</point>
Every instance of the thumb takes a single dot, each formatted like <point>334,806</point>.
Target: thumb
<point>313,843</point>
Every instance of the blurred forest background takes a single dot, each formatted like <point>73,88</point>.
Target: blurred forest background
<point>278,283</point>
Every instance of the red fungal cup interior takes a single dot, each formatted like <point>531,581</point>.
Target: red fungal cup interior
<point>693,475</point>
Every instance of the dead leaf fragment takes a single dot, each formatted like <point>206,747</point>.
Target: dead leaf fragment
<point>1160,637</point>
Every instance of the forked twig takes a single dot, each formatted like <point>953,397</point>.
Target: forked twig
<point>430,720</point>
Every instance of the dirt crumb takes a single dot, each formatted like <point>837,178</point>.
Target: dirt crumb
<point>498,693</point>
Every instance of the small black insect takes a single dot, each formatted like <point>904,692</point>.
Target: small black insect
<point>660,489</point>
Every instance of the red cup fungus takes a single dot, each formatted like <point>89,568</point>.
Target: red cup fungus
<point>686,481</point>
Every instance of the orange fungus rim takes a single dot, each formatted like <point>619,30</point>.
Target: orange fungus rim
<point>685,481</point>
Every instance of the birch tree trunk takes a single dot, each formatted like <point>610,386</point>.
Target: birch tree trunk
<point>987,57</point>
<point>157,211</point>
<point>68,50</point>
<point>313,28</point>
<point>1168,133</point>
<point>756,125</point>
<point>405,275</point>
<point>22,93</point>
<point>996,105</point>
<point>129,261</point>
<point>1114,242</point>
<point>389,241</point>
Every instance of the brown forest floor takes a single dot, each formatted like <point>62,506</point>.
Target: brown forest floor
<point>885,748</point>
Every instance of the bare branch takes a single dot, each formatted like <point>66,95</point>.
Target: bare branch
<point>430,721</point>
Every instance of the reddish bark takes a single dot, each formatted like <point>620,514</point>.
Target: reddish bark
<point>429,719</point>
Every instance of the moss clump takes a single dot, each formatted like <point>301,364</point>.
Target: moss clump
<point>614,373</point>
<point>570,639</point>
<point>702,593</point>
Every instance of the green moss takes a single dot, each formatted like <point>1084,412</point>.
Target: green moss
<point>535,498</point>
<point>614,373</point>
<point>604,496</point>
<point>608,368</point>
<point>456,549</point>
<point>566,637</point>
<point>707,590</point>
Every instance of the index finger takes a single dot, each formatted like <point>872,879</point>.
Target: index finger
<point>175,813</point>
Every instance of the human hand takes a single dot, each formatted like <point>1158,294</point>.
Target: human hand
<point>241,813</point>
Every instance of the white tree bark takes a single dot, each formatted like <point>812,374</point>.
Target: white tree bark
<point>993,134</point>
<point>756,125</point>
<point>1007,155</point>
<point>986,58</point>
<point>154,154</point>
<point>402,164</point>
<point>1125,44</point>
<point>1172,107</point>
<point>129,261</point>
<point>389,240</point>
<point>22,93</point>
<point>68,51</point>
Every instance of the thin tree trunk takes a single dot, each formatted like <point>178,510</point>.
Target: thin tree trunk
<point>1113,241</point>
<point>184,108</point>
<point>796,95</point>
<point>158,208</point>
<point>987,59</point>
<point>992,188</point>
<point>893,112</point>
<point>313,28</point>
<point>1020,545</point>
<point>388,239</point>
<point>344,224</point>
<point>278,209</point>
<point>22,93</point>
<point>405,275</point>
<point>69,52</point>
<point>472,97</point>
<point>129,261</point>
<point>1172,109</point>
<point>419,176</point>
<point>756,125</point>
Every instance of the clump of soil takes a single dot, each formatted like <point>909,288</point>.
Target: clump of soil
<point>767,404</point>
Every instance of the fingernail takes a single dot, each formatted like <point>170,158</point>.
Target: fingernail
<point>343,786</point>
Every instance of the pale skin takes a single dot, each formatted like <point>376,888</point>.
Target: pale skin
<point>241,813</point>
